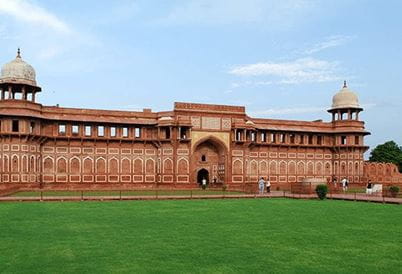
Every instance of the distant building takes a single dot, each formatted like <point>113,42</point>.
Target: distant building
<point>55,146</point>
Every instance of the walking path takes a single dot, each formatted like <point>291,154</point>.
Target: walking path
<point>274,194</point>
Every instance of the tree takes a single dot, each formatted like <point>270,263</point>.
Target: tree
<point>388,152</point>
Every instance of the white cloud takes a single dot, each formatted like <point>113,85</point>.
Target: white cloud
<point>329,42</point>
<point>24,10</point>
<point>298,71</point>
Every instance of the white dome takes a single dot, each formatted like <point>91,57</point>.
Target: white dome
<point>345,98</point>
<point>19,72</point>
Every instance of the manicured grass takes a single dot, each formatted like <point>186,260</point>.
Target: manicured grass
<point>201,236</point>
<point>123,193</point>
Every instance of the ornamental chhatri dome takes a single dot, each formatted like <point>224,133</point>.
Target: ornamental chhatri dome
<point>18,72</point>
<point>345,98</point>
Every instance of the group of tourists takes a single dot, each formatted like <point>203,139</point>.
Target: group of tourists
<point>344,183</point>
<point>264,184</point>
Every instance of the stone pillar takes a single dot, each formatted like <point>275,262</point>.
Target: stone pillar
<point>349,114</point>
<point>2,93</point>
<point>24,93</point>
<point>357,115</point>
<point>10,92</point>
<point>33,96</point>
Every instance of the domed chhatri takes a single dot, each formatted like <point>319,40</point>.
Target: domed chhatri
<point>345,105</point>
<point>345,98</point>
<point>18,72</point>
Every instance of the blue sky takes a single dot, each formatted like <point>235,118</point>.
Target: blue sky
<point>281,59</point>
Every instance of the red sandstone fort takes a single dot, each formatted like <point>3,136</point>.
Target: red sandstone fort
<point>68,147</point>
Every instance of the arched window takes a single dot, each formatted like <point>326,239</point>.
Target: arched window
<point>203,158</point>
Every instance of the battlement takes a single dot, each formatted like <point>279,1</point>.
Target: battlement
<point>180,106</point>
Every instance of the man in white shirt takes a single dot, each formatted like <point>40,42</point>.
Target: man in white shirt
<point>261,184</point>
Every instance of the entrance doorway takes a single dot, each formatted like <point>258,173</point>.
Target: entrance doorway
<point>202,174</point>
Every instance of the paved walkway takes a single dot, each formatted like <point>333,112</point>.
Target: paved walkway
<point>274,194</point>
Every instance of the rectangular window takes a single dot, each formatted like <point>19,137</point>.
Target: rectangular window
<point>301,139</point>
<point>252,136</point>
<point>357,140</point>
<point>16,126</point>
<point>167,133</point>
<point>238,135</point>
<point>343,140</point>
<point>137,132</point>
<point>319,140</point>
<point>62,129</point>
<point>263,137</point>
<point>75,129</point>
<point>283,138</point>
<point>88,131</point>
<point>112,131</point>
<point>125,132</point>
<point>310,139</point>
<point>101,131</point>
<point>183,133</point>
<point>273,138</point>
<point>292,138</point>
<point>31,127</point>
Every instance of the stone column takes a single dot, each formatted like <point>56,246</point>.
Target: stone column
<point>33,96</point>
<point>10,92</point>
<point>24,93</point>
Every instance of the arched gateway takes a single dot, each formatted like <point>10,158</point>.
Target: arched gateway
<point>209,161</point>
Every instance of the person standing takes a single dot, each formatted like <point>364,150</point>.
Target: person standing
<point>369,189</point>
<point>268,184</point>
<point>344,182</point>
<point>261,184</point>
<point>204,183</point>
<point>335,182</point>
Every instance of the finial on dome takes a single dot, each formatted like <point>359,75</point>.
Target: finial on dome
<point>344,84</point>
<point>18,53</point>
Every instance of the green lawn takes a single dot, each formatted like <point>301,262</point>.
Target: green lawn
<point>123,193</point>
<point>201,236</point>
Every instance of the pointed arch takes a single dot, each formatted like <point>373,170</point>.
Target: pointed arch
<point>75,165</point>
<point>292,168</point>
<point>328,168</point>
<point>182,166</point>
<point>113,166</point>
<point>167,166</point>
<point>253,167</point>
<point>283,168</point>
<point>319,169</point>
<point>263,168</point>
<point>24,164</point>
<point>88,166</point>
<point>32,164</point>
<point>125,166</point>
<point>150,166</point>
<point>6,164</point>
<point>237,167</point>
<point>138,166</point>
<point>273,168</point>
<point>310,168</point>
<point>100,165</point>
<point>48,164</point>
<point>61,164</point>
<point>15,163</point>
<point>301,168</point>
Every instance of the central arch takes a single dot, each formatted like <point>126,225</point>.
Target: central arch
<point>209,157</point>
<point>201,175</point>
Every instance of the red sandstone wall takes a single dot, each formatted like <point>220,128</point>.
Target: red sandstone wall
<point>385,173</point>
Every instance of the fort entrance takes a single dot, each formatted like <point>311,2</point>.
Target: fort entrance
<point>209,161</point>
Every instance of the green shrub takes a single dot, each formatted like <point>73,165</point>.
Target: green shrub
<point>321,191</point>
<point>393,190</point>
